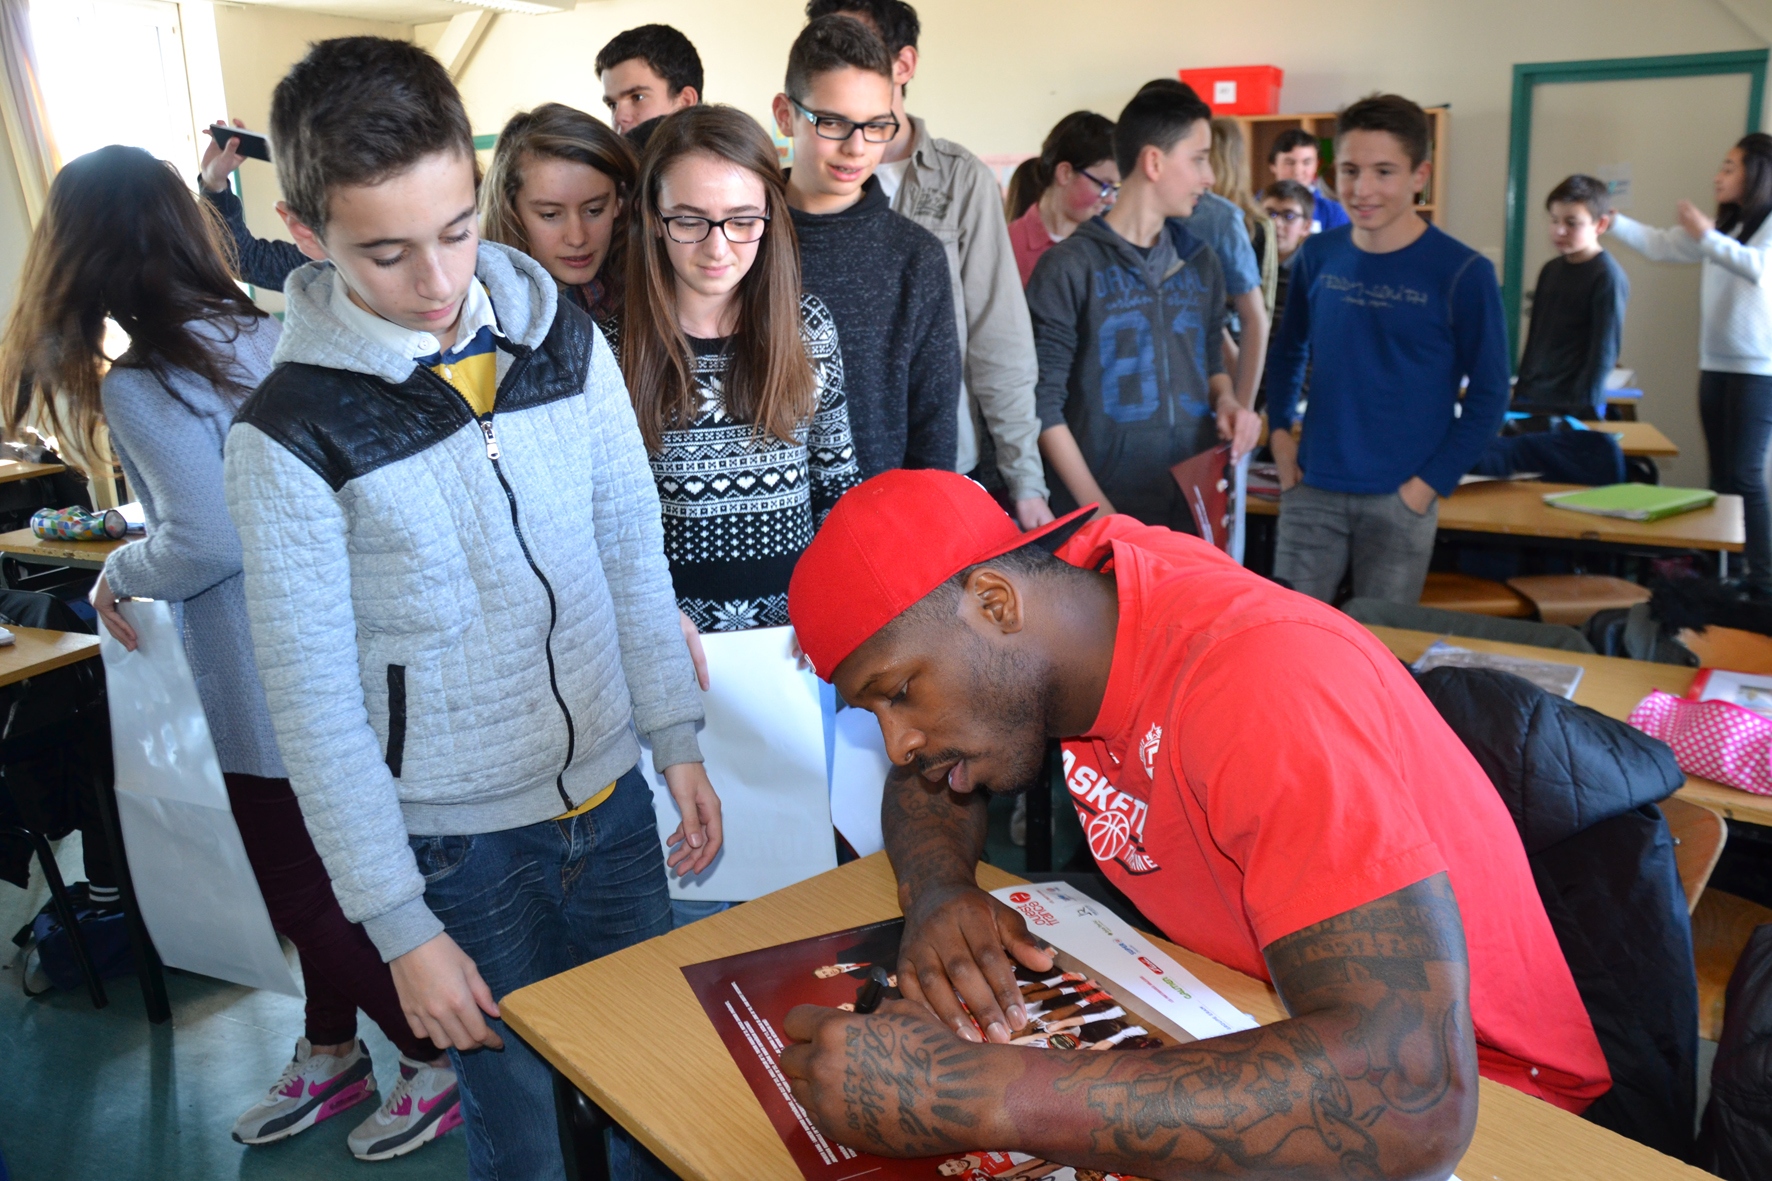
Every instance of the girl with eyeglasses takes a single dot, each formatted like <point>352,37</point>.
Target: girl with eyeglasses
<point>1073,179</point>
<point>558,190</point>
<point>735,375</point>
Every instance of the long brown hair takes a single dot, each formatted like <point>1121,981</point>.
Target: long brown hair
<point>563,133</point>
<point>122,237</point>
<point>1230,169</point>
<point>1080,139</point>
<point>770,383</point>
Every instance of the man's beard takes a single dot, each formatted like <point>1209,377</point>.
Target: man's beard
<point>1015,701</point>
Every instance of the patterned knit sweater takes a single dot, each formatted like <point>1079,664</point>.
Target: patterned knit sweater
<point>739,507</point>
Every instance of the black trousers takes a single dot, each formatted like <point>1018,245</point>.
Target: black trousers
<point>1736,409</point>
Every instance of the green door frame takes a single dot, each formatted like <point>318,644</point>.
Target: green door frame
<point>1529,75</point>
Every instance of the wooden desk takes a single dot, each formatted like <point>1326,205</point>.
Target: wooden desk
<point>1639,438</point>
<point>35,651</point>
<point>669,1080</point>
<point>24,546</point>
<point>1517,508</point>
<point>1613,687</point>
<point>19,469</point>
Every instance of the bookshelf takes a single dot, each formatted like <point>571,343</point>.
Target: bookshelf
<point>1260,131</point>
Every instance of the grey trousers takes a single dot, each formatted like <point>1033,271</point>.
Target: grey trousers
<point>1322,534</point>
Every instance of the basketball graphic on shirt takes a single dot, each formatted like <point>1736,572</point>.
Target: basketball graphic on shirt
<point>1109,834</point>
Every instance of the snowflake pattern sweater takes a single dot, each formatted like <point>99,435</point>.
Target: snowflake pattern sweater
<point>738,507</point>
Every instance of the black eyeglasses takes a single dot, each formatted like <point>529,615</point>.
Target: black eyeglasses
<point>741,230</point>
<point>1109,188</point>
<point>1285,216</point>
<point>880,131</point>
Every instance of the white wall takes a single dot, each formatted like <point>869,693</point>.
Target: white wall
<point>15,228</point>
<point>258,44</point>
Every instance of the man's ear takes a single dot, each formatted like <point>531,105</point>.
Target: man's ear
<point>306,240</point>
<point>686,97</point>
<point>992,601</point>
<point>784,115</point>
<point>1422,172</point>
<point>1604,225</point>
<point>904,65</point>
<point>1150,162</point>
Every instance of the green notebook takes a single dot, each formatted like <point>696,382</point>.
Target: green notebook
<point>1633,502</point>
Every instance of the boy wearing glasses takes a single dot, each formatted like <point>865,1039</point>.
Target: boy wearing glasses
<point>884,277</point>
<point>947,190</point>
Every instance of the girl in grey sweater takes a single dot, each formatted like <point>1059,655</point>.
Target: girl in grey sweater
<point>125,240</point>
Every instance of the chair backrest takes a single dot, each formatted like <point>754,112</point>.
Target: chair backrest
<point>1699,836</point>
<point>1730,648</point>
<point>1382,613</point>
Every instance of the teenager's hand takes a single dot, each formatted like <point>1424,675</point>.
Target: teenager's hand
<point>443,996</point>
<point>697,839</point>
<point>105,603</point>
<point>697,656</point>
<point>1032,511</point>
<point>1284,445</point>
<point>1241,426</point>
<point>1696,221</point>
<point>1418,495</point>
<point>958,939</point>
<point>219,162</point>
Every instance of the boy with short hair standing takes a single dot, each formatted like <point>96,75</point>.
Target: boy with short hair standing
<point>1294,156</point>
<point>648,72</point>
<point>884,277</point>
<point>1128,314</point>
<point>1393,316</point>
<point>1289,204</point>
<point>457,588</point>
<point>1577,308</point>
<point>947,190</point>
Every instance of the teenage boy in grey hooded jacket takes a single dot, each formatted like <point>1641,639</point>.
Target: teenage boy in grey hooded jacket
<point>1128,314</point>
<point>457,587</point>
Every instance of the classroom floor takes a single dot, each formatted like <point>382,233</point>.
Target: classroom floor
<point>87,1094</point>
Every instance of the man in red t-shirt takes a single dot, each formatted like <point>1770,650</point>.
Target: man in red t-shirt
<point>1255,770</point>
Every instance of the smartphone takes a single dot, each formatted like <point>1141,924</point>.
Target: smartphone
<point>251,142</point>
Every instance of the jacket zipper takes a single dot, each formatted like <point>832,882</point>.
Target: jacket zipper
<point>492,456</point>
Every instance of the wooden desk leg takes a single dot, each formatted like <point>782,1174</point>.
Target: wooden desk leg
<point>148,969</point>
<point>584,1130</point>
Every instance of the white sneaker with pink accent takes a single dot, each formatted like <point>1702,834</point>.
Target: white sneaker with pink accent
<point>313,1087</point>
<point>423,1105</point>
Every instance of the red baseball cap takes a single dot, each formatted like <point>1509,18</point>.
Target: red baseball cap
<point>888,543</point>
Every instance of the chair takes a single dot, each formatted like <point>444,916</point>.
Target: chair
<point>1721,926</point>
<point>1699,836</point>
<point>1451,591</point>
<point>1575,598</point>
<point>1730,648</point>
<point>1380,613</point>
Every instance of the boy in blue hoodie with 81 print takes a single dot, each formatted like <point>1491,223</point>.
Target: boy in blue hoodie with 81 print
<point>456,623</point>
<point>1128,314</point>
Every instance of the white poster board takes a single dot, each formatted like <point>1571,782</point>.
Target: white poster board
<point>764,743</point>
<point>859,767</point>
<point>197,892</point>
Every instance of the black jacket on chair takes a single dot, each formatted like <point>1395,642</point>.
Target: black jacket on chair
<point>1736,1142</point>
<point>1582,790</point>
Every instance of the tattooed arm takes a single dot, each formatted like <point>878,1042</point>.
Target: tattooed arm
<point>956,936</point>
<point>1373,1076</point>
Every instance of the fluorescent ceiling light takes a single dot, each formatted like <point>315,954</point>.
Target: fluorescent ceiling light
<point>527,7</point>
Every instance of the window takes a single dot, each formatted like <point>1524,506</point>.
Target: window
<point>113,71</point>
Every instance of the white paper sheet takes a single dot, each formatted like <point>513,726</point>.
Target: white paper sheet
<point>764,745</point>
<point>198,896</point>
<point>858,780</point>
<point>1077,924</point>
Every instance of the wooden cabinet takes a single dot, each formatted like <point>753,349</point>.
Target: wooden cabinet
<point>1260,131</point>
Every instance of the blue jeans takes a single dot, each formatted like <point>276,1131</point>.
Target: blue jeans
<point>530,903</point>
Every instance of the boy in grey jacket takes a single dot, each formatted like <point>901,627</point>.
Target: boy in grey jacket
<point>457,588</point>
<point>1128,313</point>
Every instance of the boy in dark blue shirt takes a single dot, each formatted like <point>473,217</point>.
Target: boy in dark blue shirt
<point>1577,308</point>
<point>1393,316</point>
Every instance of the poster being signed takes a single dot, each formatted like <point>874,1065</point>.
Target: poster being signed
<point>748,996</point>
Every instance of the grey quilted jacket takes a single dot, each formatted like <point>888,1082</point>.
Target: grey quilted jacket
<point>459,623</point>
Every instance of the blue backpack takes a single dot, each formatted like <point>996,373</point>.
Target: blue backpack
<point>107,942</point>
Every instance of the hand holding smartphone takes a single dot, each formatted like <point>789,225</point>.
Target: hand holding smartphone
<point>249,143</point>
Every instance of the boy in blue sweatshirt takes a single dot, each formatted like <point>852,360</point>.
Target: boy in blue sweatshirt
<point>1393,316</point>
<point>1128,314</point>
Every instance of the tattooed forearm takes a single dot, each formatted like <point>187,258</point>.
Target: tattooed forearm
<point>931,833</point>
<point>1373,1076</point>
<point>912,1088</point>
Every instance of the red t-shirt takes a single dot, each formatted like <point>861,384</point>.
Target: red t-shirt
<point>1029,239</point>
<point>1262,763</point>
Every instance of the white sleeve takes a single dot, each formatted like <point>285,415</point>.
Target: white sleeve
<point>1673,244</point>
<point>1738,258</point>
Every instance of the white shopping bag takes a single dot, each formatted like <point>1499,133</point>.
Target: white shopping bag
<point>764,743</point>
<point>196,889</point>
